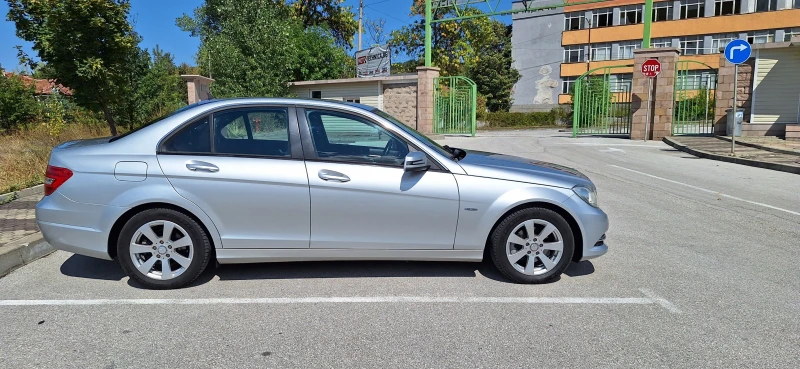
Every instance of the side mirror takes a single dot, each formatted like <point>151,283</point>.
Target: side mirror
<point>415,162</point>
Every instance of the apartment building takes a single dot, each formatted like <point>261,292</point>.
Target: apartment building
<point>552,48</point>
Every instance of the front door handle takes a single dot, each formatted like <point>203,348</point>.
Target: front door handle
<point>330,175</point>
<point>201,166</point>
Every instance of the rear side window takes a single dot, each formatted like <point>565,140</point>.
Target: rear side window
<point>194,139</point>
<point>252,131</point>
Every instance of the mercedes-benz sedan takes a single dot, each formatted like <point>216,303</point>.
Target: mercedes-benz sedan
<point>273,180</point>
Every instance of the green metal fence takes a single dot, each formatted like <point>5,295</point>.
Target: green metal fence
<point>695,87</point>
<point>602,102</point>
<point>455,100</point>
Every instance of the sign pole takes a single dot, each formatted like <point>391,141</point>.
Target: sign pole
<point>735,92</point>
<point>649,97</point>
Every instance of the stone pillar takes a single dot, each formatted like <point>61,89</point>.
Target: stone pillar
<point>663,96</point>
<point>197,87</point>
<point>724,93</point>
<point>425,76</point>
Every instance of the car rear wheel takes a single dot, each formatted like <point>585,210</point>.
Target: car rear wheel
<point>532,245</point>
<point>163,249</point>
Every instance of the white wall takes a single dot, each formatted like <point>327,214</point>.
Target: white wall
<point>368,92</point>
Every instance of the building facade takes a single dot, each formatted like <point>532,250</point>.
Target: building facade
<point>552,48</point>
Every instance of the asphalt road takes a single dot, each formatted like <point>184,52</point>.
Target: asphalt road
<point>701,272</point>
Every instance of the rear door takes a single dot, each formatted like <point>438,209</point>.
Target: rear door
<point>244,167</point>
<point>361,198</point>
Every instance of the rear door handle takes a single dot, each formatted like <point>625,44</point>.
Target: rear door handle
<point>330,175</point>
<point>201,166</point>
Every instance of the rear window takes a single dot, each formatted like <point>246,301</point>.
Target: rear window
<point>192,139</point>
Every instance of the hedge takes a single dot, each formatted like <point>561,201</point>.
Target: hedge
<point>533,119</point>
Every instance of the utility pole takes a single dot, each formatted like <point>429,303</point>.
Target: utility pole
<point>360,14</point>
<point>428,15</point>
<point>648,20</point>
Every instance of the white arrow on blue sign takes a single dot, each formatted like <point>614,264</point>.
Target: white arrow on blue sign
<point>738,51</point>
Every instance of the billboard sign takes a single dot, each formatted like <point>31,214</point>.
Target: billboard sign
<point>374,62</point>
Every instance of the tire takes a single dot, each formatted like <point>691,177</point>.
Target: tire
<point>514,227</point>
<point>135,249</point>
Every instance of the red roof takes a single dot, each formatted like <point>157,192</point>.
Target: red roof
<point>42,86</point>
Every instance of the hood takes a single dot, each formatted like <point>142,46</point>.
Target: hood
<point>513,168</point>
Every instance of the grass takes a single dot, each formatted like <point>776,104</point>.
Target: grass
<point>24,154</point>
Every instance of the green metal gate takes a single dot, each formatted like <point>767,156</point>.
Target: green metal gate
<point>602,102</point>
<point>693,110</point>
<point>454,102</point>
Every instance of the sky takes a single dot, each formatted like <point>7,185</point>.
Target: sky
<point>154,20</point>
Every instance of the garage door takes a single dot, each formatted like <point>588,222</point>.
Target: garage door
<point>776,94</point>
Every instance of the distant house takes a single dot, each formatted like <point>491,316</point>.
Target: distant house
<point>43,87</point>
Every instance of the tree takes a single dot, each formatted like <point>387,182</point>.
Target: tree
<point>161,89</point>
<point>18,105</point>
<point>88,44</point>
<point>339,20</point>
<point>376,29</point>
<point>494,75</point>
<point>255,47</point>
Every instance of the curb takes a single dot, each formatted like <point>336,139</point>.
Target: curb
<point>22,252</point>
<point>795,169</point>
<point>11,196</point>
<point>765,148</point>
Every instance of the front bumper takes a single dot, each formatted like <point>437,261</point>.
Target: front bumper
<point>593,223</point>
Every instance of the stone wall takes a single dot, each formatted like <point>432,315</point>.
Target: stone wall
<point>425,76</point>
<point>662,95</point>
<point>724,93</point>
<point>400,101</point>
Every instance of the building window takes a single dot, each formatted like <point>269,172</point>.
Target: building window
<point>602,18</point>
<point>697,79</point>
<point>661,42</point>
<point>573,54</point>
<point>316,94</point>
<point>601,52</point>
<point>567,84</point>
<point>792,32</point>
<point>719,41</point>
<point>766,5</point>
<point>692,45</point>
<point>573,21</point>
<point>726,7</point>
<point>356,100</point>
<point>631,14</point>
<point>620,82</point>
<point>663,11</point>
<point>760,37</point>
<point>692,8</point>
<point>626,49</point>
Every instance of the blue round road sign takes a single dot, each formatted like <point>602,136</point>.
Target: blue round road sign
<point>738,51</point>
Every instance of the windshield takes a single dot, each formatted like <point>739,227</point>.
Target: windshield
<point>433,145</point>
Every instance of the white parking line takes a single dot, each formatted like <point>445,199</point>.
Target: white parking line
<point>709,191</point>
<point>356,299</point>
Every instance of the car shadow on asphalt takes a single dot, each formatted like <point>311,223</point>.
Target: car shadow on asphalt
<point>85,267</point>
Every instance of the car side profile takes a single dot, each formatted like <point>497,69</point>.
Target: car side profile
<point>275,180</point>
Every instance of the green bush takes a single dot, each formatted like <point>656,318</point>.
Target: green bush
<point>533,119</point>
<point>18,106</point>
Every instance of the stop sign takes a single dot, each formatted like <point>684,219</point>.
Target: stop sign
<point>651,68</point>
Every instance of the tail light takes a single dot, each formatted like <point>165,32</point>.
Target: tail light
<point>54,178</point>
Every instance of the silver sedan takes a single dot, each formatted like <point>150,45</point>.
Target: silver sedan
<point>274,180</point>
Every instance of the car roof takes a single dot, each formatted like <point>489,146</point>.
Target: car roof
<point>276,100</point>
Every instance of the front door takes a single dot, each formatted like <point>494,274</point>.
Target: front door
<point>361,198</point>
<point>244,174</point>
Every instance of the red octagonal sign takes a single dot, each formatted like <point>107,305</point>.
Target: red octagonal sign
<point>651,68</point>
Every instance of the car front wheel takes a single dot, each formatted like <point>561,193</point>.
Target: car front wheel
<point>163,249</point>
<point>532,245</point>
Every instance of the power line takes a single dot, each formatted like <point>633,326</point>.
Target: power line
<point>377,2</point>
<point>388,15</point>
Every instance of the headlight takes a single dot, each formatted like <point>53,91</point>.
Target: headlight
<point>587,194</point>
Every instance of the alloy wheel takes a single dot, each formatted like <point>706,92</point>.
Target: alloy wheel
<point>161,250</point>
<point>534,247</point>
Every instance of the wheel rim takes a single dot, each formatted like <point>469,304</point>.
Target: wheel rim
<point>535,247</point>
<point>161,250</point>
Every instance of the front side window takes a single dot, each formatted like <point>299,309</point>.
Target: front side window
<point>626,49</point>
<point>662,11</point>
<point>573,54</point>
<point>573,21</point>
<point>760,37</point>
<point>602,18</point>
<point>601,52</point>
<point>726,7</point>
<point>252,131</point>
<point>692,45</point>
<point>192,139</point>
<point>346,137</point>
<point>631,14</point>
<point>692,9</point>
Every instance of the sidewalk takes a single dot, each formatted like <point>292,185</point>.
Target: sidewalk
<point>757,152</point>
<point>20,240</point>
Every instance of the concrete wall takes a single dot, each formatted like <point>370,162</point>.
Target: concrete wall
<point>400,101</point>
<point>537,54</point>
